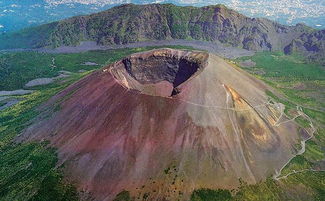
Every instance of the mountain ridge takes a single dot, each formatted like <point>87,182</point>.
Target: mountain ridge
<point>130,23</point>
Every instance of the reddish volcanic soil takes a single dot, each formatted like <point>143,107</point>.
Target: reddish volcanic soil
<point>163,123</point>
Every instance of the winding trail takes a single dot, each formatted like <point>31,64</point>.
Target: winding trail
<point>278,123</point>
<point>297,172</point>
<point>277,176</point>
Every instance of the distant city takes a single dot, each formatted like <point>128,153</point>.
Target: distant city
<point>18,14</point>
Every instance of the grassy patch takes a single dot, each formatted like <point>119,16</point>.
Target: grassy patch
<point>297,163</point>
<point>302,122</point>
<point>123,196</point>
<point>268,190</point>
<point>27,171</point>
<point>281,66</point>
<point>313,152</point>
<point>301,186</point>
<point>211,195</point>
<point>292,76</point>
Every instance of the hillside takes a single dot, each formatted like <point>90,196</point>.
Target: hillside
<point>213,121</point>
<point>312,45</point>
<point>131,23</point>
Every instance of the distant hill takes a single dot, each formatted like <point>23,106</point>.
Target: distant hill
<point>132,23</point>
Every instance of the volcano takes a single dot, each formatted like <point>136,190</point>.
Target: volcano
<point>163,123</point>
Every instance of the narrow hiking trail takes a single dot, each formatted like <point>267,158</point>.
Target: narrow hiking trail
<point>297,172</point>
<point>277,176</point>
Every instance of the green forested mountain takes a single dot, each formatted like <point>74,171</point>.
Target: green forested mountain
<point>132,23</point>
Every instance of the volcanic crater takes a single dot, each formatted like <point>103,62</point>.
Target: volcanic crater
<point>159,73</point>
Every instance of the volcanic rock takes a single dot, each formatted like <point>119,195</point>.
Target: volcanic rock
<point>162,123</point>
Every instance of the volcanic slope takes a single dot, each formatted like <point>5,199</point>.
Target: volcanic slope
<point>162,123</point>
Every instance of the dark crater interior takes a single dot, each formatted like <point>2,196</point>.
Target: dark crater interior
<point>152,68</point>
<point>155,69</point>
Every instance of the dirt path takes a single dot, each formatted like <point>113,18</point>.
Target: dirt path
<point>277,176</point>
<point>300,171</point>
<point>282,107</point>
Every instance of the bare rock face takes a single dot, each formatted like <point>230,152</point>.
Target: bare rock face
<point>126,128</point>
<point>311,45</point>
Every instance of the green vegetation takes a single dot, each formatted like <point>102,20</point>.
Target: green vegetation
<point>166,171</point>
<point>123,196</point>
<point>280,66</point>
<point>297,163</point>
<point>300,81</point>
<point>313,152</point>
<point>268,190</point>
<point>211,195</point>
<point>2,104</point>
<point>303,122</point>
<point>301,186</point>
<point>306,185</point>
<point>27,171</point>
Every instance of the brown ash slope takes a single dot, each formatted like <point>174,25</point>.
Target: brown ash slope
<point>163,123</point>
<point>133,23</point>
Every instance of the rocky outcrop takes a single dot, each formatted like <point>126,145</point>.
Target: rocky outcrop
<point>311,45</point>
<point>131,23</point>
<point>115,132</point>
